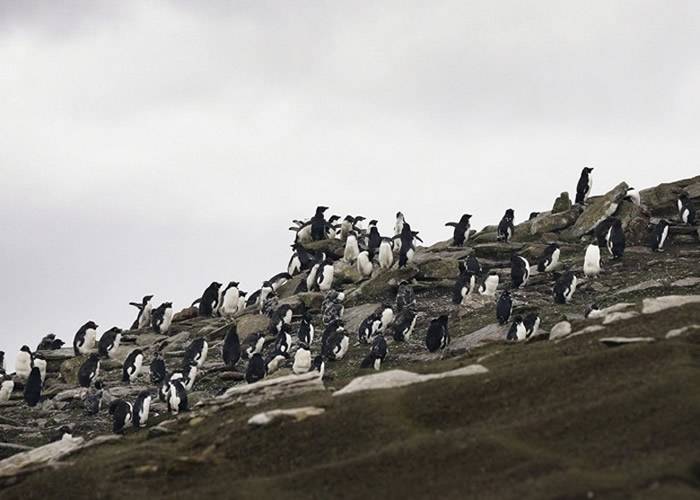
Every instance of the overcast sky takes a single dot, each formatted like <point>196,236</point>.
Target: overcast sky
<point>153,147</point>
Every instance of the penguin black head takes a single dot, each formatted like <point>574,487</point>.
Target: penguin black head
<point>215,284</point>
<point>94,357</point>
<point>26,349</point>
<point>334,218</point>
<point>233,283</point>
<point>683,196</point>
<point>320,210</point>
<point>114,329</point>
<point>373,222</point>
<point>587,170</point>
<point>359,218</point>
<point>399,214</point>
<point>442,319</point>
<point>242,293</point>
<point>98,385</point>
<point>168,304</point>
<point>349,218</point>
<point>465,218</point>
<point>91,324</point>
<point>510,213</point>
<point>147,299</point>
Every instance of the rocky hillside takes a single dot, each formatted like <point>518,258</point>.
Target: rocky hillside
<point>604,405</point>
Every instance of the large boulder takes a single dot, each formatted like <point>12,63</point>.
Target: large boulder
<point>383,284</point>
<point>555,221</point>
<point>497,251</point>
<point>661,200</point>
<point>70,367</point>
<point>635,223</point>
<point>252,323</point>
<point>562,204</point>
<point>597,210</point>
<point>353,316</point>
<point>290,287</point>
<point>332,247</point>
<point>344,273</point>
<point>487,235</point>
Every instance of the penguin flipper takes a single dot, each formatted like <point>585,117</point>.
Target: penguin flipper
<point>137,305</point>
<point>450,224</point>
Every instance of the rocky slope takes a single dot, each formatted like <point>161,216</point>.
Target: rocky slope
<point>572,414</point>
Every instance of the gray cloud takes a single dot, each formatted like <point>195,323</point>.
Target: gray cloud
<point>155,147</point>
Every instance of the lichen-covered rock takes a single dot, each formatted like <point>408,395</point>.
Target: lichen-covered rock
<point>597,210</point>
<point>497,251</point>
<point>556,221</point>
<point>354,316</point>
<point>185,314</point>
<point>344,273</point>
<point>290,287</point>
<point>661,200</point>
<point>252,323</point>
<point>70,367</point>
<point>383,283</point>
<point>330,246</point>
<point>562,203</point>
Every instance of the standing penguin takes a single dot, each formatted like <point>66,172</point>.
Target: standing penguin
<point>23,362</point>
<point>374,239</point>
<point>256,369</point>
<point>386,254</point>
<point>40,362</point>
<point>2,363</point>
<point>92,403</point>
<point>473,265</point>
<point>404,324</point>
<point>591,261</point>
<point>89,370</point>
<point>602,231</point>
<point>565,287</point>
<point>400,221</point>
<point>300,260</point>
<point>302,359</point>
<point>209,301</point>
<point>228,304</point>
<point>253,344</point>
<point>633,196</point>
<point>141,409</point>
<point>196,352</point>
<point>319,224</point>
<point>517,331</point>
<point>504,307</point>
<point>549,260</point>
<point>283,343</point>
<point>490,285</point>
<point>352,249</point>
<point>32,388</point>
<point>405,297</point>
<point>231,351</point>
<point>332,307</point>
<point>369,327</point>
<point>121,412</point>
<point>519,271</point>
<point>336,345</point>
<point>461,232</point>
<point>407,249</point>
<point>325,276</point>
<point>162,317</point>
<point>177,396</point>
<point>505,227</point>
<point>616,239</point>
<point>281,316</point>
<point>109,342</point>
<point>377,354</point>
<point>686,210</point>
<point>305,333</point>
<point>84,340</point>
<point>6,387</point>
<point>464,286</point>
<point>532,324</point>
<point>132,366</point>
<point>158,369</point>
<point>50,343</point>
<point>364,264</point>
<point>584,186</point>
<point>659,236</point>
<point>438,336</point>
<point>143,319</point>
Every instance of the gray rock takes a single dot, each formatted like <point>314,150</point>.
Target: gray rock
<point>661,200</point>
<point>615,341</point>
<point>597,210</point>
<point>546,223</point>
<point>560,330</point>
<point>297,414</point>
<point>640,286</point>
<point>353,316</point>
<point>619,316</point>
<point>562,203</point>
<point>656,304</point>
<point>677,332</point>
<point>687,282</point>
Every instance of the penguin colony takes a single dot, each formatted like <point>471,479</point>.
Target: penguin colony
<point>303,348</point>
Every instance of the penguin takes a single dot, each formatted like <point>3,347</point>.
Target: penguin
<point>162,317</point>
<point>32,388</point>
<point>39,361</point>
<point>209,301</point>
<point>407,249</point>
<point>490,285</point>
<point>2,363</point>
<point>189,371</point>
<point>50,343</point>
<point>325,276</point>
<point>532,324</point>
<point>278,280</point>
<point>256,369</point>
<point>519,271</point>
<point>196,352</point>
<point>318,364</point>
<point>143,318</point>
<point>329,330</point>
<point>302,359</point>
<point>336,345</point>
<point>332,227</point>
<point>584,186</point>
<point>400,221</point>
<point>404,324</point>
<point>686,210</point>
<point>591,261</point>
<point>332,308</point>
<point>352,249</point>
<point>283,343</point>
<point>616,239</point>
<point>274,361</point>
<point>311,278</point>
<point>269,303</point>
<point>374,240</point>
<point>89,370</point>
<point>377,354</point>
<point>369,327</point>
<point>517,330</point>
<point>300,261</point>
<point>387,316</point>
<point>505,227</point>
<point>132,366</point>
<point>282,316</point>
<point>84,340</point>
<point>405,297</point>
<point>23,363</point>
<point>461,230</point>
<point>241,301</point>
<point>92,403</point>
<point>303,232</point>
<point>122,413</point>
<point>109,342</point>
<point>253,344</point>
<point>659,236</point>
<point>158,369</point>
<point>602,231</point>
<point>177,397</point>
<point>386,254</point>
<point>504,307</point>
<point>549,260</point>
<point>464,286</point>
<point>633,196</point>
<point>346,227</point>
<point>319,224</point>
<point>231,352</point>
<point>228,303</point>
<point>6,388</point>
<point>141,409</point>
<point>565,287</point>
<point>473,265</point>
<point>438,336</point>
<point>364,264</point>
<point>305,333</point>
